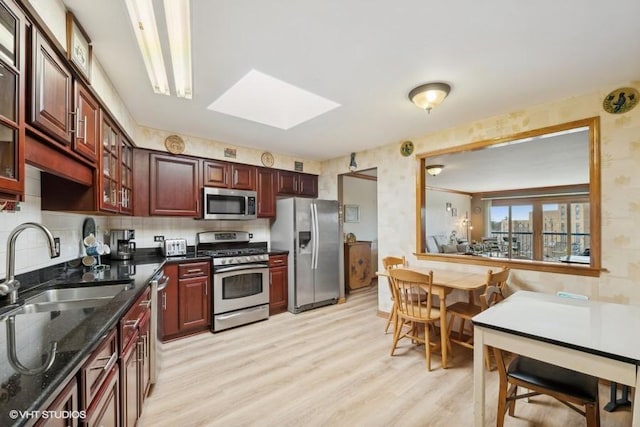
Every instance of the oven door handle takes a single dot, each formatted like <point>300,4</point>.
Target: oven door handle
<point>240,267</point>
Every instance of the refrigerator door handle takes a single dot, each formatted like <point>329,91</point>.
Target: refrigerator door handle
<point>317,239</point>
<point>314,236</point>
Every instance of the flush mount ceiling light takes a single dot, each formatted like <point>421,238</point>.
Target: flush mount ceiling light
<point>178,15</point>
<point>143,21</point>
<point>429,95</point>
<point>434,170</point>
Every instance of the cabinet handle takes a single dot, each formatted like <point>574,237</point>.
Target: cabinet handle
<point>84,128</point>
<point>164,301</point>
<point>140,355</point>
<point>145,303</point>
<point>133,324</point>
<point>277,261</point>
<point>77,113</point>
<point>206,289</point>
<point>69,118</point>
<point>107,367</point>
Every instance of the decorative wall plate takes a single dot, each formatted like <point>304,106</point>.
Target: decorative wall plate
<point>620,100</point>
<point>174,144</point>
<point>406,149</point>
<point>267,159</point>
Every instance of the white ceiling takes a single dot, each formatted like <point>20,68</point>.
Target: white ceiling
<point>366,55</point>
<point>540,162</point>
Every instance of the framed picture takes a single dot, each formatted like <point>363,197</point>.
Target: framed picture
<point>78,46</point>
<point>351,213</point>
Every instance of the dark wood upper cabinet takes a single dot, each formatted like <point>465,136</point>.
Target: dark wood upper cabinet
<point>296,184</point>
<point>51,86</point>
<point>174,188</point>
<point>266,193</point>
<point>108,170</point>
<point>216,174</point>
<point>307,185</point>
<point>229,175</point>
<point>243,177</point>
<point>126,176</point>
<point>87,123</point>
<point>12,101</point>
<point>287,182</point>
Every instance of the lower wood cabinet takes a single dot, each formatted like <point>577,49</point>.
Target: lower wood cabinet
<point>357,269</point>
<point>186,301</point>
<point>100,384</point>
<point>129,383</point>
<point>135,369</point>
<point>65,403</point>
<point>105,410</point>
<point>278,284</point>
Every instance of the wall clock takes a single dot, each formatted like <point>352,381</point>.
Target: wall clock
<point>174,144</point>
<point>267,159</point>
<point>620,100</point>
<point>406,149</point>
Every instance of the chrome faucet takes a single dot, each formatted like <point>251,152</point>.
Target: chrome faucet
<point>11,285</point>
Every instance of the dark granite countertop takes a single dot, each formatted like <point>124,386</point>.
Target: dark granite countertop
<point>77,332</point>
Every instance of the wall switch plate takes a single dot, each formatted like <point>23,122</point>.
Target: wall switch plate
<point>158,238</point>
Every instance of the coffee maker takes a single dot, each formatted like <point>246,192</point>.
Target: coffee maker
<point>121,245</point>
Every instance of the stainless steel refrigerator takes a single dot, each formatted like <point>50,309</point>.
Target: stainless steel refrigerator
<point>309,230</point>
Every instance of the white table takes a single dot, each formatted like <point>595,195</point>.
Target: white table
<point>600,339</point>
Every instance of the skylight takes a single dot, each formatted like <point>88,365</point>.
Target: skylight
<point>267,100</point>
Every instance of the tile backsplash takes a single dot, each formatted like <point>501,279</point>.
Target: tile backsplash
<point>31,247</point>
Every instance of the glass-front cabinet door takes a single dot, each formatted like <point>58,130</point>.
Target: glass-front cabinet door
<point>12,90</point>
<point>109,198</point>
<point>126,176</point>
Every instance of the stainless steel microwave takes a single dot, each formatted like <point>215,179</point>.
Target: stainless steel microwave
<point>223,203</point>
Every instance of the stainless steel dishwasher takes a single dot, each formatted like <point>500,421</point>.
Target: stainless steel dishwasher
<point>158,282</point>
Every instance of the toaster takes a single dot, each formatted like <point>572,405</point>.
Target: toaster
<point>174,247</point>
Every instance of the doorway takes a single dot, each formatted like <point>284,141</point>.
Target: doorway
<point>358,198</point>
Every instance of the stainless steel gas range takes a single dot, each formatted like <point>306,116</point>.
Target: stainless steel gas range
<point>240,278</point>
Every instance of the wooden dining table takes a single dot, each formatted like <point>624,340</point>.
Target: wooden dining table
<point>444,282</point>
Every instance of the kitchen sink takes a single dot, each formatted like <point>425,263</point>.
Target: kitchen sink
<point>43,307</point>
<point>69,295</point>
<point>69,299</point>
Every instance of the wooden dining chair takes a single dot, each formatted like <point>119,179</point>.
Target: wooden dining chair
<point>412,296</point>
<point>496,283</point>
<point>389,263</point>
<point>573,389</point>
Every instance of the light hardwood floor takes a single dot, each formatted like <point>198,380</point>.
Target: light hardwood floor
<point>327,367</point>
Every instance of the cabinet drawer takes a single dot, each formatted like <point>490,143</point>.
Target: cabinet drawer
<point>105,410</point>
<point>193,269</point>
<point>132,319</point>
<point>277,260</point>
<point>95,371</point>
